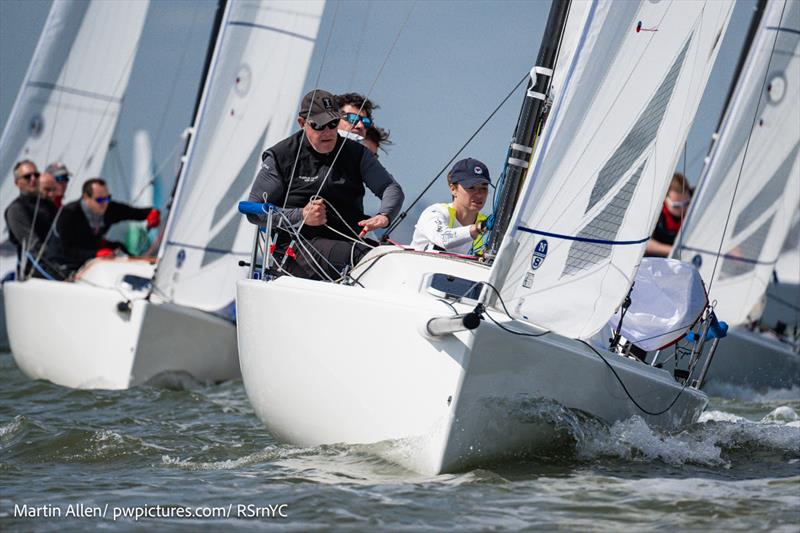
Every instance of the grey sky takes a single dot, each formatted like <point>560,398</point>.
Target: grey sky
<point>453,63</point>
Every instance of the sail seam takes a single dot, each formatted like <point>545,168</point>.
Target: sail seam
<point>271,28</point>
<point>71,90</point>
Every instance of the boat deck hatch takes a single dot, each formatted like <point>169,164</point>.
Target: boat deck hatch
<point>136,283</point>
<point>452,287</point>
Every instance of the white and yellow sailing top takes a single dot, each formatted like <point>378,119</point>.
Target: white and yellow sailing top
<point>439,229</point>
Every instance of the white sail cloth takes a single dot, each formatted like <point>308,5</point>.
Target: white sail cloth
<point>605,159</point>
<point>69,102</point>
<point>750,188</point>
<point>667,299</point>
<point>250,102</point>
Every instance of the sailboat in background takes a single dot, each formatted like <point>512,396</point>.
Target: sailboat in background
<point>748,198</point>
<point>176,315</point>
<point>399,350</point>
<point>70,99</point>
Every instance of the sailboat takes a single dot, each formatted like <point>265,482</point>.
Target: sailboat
<point>125,322</point>
<point>450,357</point>
<point>64,86</point>
<point>748,198</point>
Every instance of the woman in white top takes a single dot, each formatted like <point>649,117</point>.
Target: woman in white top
<point>457,227</point>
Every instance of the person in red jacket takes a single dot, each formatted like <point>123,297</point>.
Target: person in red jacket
<point>83,224</point>
<point>673,210</point>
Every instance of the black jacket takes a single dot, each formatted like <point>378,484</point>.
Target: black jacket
<point>344,187</point>
<point>19,218</point>
<point>78,242</point>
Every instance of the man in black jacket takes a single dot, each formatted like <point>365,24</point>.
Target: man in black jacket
<point>318,178</point>
<point>28,219</point>
<point>83,224</point>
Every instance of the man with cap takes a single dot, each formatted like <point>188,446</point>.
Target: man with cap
<point>29,216</point>
<point>458,227</point>
<point>318,179</point>
<point>55,179</point>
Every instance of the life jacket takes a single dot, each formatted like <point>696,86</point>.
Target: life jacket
<point>667,226</point>
<point>478,243</point>
<point>343,189</point>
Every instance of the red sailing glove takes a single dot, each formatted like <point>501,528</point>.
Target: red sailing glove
<point>104,252</point>
<point>153,219</point>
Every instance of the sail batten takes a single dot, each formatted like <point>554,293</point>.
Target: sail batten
<point>605,159</point>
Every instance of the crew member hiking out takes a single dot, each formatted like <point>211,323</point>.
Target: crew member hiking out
<point>318,178</point>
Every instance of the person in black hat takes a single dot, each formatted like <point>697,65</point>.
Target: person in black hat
<point>318,179</point>
<point>457,227</point>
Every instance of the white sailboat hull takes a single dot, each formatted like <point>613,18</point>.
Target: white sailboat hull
<point>4,347</point>
<point>753,360</point>
<point>74,335</point>
<point>325,363</point>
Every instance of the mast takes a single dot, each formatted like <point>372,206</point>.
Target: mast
<point>212,45</point>
<point>530,121</point>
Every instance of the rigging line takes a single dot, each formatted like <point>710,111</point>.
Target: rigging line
<point>114,149</point>
<point>402,215</point>
<point>107,108</point>
<point>625,389</point>
<point>609,365</point>
<point>177,72</point>
<point>744,158</point>
<point>601,123</point>
<point>158,171</point>
<point>299,238</point>
<point>313,95</point>
<point>369,92</point>
<point>360,44</point>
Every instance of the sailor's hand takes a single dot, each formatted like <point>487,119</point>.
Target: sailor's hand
<point>378,221</point>
<point>314,213</point>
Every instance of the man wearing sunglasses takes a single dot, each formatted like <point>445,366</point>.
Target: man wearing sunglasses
<point>319,179</point>
<point>356,111</point>
<point>674,209</point>
<point>29,216</point>
<point>55,178</point>
<point>83,224</point>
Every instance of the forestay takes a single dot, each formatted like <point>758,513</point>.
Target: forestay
<point>605,159</point>
<point>68,105</point>
<point>755,158</point>
<point>249,103</point>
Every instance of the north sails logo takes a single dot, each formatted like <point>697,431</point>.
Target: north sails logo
<point>307,179</point>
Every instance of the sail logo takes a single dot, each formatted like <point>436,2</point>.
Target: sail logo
<point>308,179</point>
<point>539,254</point>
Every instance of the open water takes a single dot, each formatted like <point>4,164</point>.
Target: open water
<point>157,450</point>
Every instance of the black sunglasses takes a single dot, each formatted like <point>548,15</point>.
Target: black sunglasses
<point>328,125</point>
<point>30,175</point>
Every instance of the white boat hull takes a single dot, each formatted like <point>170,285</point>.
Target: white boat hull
<point>325,363</point>
<point>73,334</point>
<point>4,346</point>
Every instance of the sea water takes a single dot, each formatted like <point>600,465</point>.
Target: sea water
<point>180,455</point>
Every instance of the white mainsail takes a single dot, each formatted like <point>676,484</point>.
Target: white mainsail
<point>68,105</point>
<point>751,184</point>
<point>605,159</point>
<point>249,103</point>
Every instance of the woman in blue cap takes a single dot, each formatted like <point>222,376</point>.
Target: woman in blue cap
<point>457,227</point>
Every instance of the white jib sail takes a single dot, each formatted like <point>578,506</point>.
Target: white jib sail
<point>605,159</point>
<point>250,102</point>
<point>68,105</point>
<point>756,157</point>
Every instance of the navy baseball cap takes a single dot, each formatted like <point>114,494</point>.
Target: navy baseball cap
<point>469,173</point>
